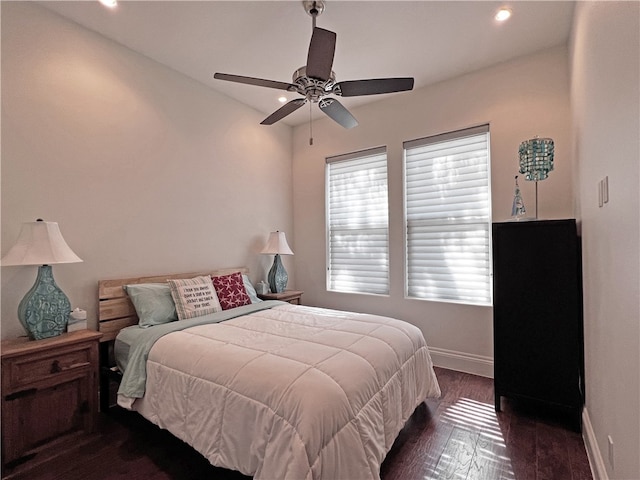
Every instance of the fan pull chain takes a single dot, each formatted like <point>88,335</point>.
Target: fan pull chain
<point>310,126</point>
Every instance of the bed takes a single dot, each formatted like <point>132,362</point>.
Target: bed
<point>270,389</point>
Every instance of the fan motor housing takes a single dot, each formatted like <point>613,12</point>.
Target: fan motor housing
<point>312,88</point>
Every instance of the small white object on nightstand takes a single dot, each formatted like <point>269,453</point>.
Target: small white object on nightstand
<point>77,320</point>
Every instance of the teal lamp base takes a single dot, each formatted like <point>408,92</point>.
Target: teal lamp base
<point>277,276</point>
<point>44,310</point>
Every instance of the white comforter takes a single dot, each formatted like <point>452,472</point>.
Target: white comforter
<point>291,392</point>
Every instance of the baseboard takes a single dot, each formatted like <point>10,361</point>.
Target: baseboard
<point>462,362</point>
<point>598,469</point>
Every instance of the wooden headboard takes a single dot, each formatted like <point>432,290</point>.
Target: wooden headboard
<point>115,310</point>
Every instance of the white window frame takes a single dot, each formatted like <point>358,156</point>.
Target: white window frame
<point>448,252</point>
<point>354,267</point>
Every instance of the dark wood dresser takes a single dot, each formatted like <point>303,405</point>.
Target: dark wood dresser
<point>537,315</point>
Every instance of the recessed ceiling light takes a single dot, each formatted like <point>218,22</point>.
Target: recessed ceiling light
<point>282,99</point>
<point>503,14</point>
<point>109,3</point>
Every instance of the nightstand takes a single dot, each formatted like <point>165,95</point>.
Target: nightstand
<point>49,396</point>
<point>291,296</point>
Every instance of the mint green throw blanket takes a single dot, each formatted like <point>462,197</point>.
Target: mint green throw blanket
<point>135,374</point>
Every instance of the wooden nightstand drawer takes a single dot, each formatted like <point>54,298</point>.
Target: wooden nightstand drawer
<point>46,366</point>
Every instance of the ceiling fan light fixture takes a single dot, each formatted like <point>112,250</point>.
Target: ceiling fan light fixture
<point>282,99</point>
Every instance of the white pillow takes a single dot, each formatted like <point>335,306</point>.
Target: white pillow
<point>194,297</point>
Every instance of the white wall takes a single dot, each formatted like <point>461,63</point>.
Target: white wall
<point>605,94</point>
<point>145,170</point>
<point>520,99</point>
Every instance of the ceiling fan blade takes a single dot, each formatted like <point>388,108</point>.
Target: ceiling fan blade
<point>283,111</point>
<point>336,111</point>
<point>321,51</point>
<point>374,86</point>
<point>260,82</point>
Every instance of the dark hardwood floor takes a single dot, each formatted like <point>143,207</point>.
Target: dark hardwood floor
<point>458,436</point>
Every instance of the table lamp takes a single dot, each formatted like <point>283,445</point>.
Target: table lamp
<point>277,245</point>
<point>44,310</point>
<point>536,160</point>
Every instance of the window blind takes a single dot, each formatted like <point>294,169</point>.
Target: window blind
<point>358,223</point>
<point>447,217</point>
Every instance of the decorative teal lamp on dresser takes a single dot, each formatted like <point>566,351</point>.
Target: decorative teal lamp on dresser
<point>49,398</point>
<point>44,310</point>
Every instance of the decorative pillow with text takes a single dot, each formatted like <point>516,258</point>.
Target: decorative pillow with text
<point>230,290</point>
<point>194,297</point>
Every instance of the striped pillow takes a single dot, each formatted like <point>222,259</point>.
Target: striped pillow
<point>194,297</point>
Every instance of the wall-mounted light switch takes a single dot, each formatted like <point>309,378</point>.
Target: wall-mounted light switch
<point>600,194</point>
<point>603,191</point>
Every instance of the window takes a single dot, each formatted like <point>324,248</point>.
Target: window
<point>447,215</point>
<point>358,222</point>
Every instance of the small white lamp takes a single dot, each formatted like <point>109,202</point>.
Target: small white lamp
<point>44,310</point>
<point>277,245</point>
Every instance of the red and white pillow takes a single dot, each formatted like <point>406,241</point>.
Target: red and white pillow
<point>230,290</point>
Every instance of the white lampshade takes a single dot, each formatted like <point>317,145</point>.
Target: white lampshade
<point>40,243</point>
<point>277,244</point>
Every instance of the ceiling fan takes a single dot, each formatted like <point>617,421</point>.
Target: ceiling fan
<point>316,81</point>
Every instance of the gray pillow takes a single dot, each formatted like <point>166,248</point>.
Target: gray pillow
<point>153,303</point>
